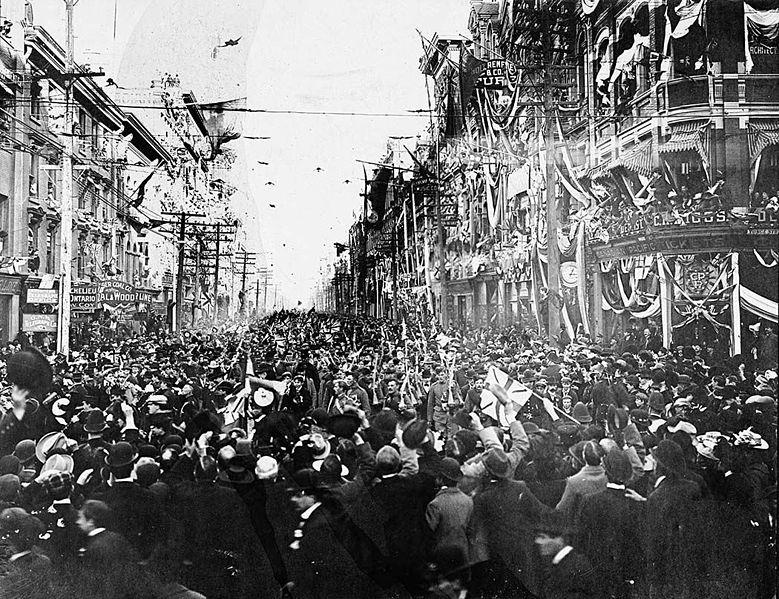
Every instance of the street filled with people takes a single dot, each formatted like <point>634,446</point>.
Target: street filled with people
<point>314,455</point>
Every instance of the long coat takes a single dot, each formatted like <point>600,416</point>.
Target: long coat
<point>589,480</point>
<point>137,513</point>
<point>324,564</point>
<point>448,516</point>
<point>505,514</point>
<point>571,578</point>
<point>611,529</point>
<point>218,538</point>
<point>670,535</point>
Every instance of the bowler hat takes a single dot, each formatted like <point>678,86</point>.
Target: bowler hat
<point>120,454</point>
<point>449,468</point>
<point>304,481</point>
<point>25,450</point>
<point>95,421</point>
<point>581,413</point>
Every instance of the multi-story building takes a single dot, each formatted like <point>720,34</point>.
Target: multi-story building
<point>124,176</point>
<point>663,121</point>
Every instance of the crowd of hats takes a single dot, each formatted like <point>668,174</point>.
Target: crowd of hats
<point>178,389</point>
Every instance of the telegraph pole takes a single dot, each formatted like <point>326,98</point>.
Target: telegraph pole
<point>182,224</point>
<point>247,259</point>
<point>553,257</point>
<point>440,226</point>
<point>216,274</point>
<point>66,210</point>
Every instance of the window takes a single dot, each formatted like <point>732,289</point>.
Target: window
<point>4,225</point>
<point>34,161</point>
<point>51,239</point>
<point>81,261</point>
<point>35,99</point>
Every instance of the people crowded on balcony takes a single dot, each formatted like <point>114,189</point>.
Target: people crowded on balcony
<point>161,471</point>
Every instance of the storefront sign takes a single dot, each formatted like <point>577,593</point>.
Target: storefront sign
<point>10,285</point>
<point>494,74</point>
<point>88,297</point>
<point>42,296</point>
<point>39,323</point>
<point>691,242</point>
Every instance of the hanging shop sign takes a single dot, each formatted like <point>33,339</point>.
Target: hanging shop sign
<point>39,323</point>
<point>10,285</point>
<point>494,74</point>
<point>112,294</point>
<point>42,296</point>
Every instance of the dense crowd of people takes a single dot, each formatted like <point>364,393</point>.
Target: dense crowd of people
<point>314,455</point>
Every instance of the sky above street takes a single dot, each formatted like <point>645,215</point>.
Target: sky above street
<point>297,56</point>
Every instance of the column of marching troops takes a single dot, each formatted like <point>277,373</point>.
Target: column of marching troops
<point>314,455</point>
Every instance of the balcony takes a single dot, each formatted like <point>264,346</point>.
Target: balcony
<point>761,89</point>
<point>684,233</point>
<point>690,91</point>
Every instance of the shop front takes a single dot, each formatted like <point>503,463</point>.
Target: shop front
<point>10,292</point>
<point>113,306</point>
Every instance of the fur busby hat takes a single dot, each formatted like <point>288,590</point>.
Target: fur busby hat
<point>29,369</point>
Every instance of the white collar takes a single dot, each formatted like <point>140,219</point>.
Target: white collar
<point>129,479</point>
<point>659,480</point>
<point>61,501</point>
<point>19,555</point>
<point>307,514</point>
<point>96,531</point>
<point>615,486</point>
<point>561,554</point>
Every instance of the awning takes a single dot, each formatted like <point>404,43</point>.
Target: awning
<point>685,137</point>
<point>637,159</point>
<point>762,134</point>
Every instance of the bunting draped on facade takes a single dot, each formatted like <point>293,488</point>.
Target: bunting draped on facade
<point>589,6</point>
<point>760,306</point>
<point>760,26</point>
<point>762,134</point>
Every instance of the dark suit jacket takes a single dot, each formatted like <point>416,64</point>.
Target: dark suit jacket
<point>138,515</point>
<point>505,513</point>
<point>572,578</point>
<point>611,529</point>
<point>669,534</point>
<point>109,569</point>
<point>323,567</point>
<point>216,533</point>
